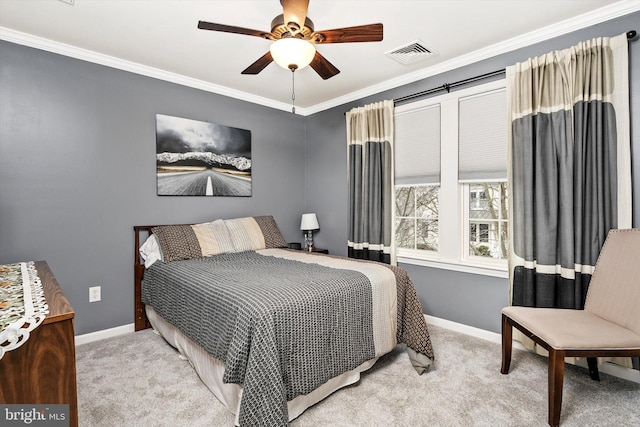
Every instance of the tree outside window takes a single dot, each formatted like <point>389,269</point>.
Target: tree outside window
<point>417,217</point>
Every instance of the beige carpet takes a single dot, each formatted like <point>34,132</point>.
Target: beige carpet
<point>139,380</point>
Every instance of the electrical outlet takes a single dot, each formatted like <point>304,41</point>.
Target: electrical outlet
<point>94,294</point>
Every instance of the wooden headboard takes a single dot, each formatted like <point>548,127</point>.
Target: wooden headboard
<point>140,316</point>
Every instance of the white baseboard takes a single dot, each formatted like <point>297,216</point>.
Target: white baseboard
<point>607,368</point>
<point>469,330</point>
<point>105,333</point>
<point>466,329</point>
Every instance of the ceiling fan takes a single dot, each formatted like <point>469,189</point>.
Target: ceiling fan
<point>294,27</point>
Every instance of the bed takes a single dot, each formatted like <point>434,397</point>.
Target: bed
<point>271,331</point>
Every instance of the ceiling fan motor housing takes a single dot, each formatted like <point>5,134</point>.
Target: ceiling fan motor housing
<point>281,30</point>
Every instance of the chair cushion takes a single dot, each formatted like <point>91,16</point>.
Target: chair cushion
<point>565,329</point>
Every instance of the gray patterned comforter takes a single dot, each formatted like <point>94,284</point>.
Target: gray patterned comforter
<point>281,324</point>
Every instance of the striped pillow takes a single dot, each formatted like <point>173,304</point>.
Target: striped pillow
<point>213,238</point>
<point>255,233</point>
<point>245,234</point>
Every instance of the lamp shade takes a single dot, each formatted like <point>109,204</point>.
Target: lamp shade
<point>292,51</point>
<point>309,222</point>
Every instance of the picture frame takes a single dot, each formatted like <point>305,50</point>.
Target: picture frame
<point>198,158</point>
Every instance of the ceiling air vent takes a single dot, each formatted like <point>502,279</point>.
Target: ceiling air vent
<point>410,52</point>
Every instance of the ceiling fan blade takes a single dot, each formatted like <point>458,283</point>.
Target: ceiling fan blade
<point>295,14</point>
<point>203,25</point>
<point>361,33</point>
<point>323,67</point>
<point>259,65</point>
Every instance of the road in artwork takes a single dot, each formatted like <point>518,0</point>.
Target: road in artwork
<point>203,183</point>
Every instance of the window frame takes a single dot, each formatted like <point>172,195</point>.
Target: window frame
<point>453,202</point>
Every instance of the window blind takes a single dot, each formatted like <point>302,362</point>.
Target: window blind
<point>482,137</point>
<point>417,146</point>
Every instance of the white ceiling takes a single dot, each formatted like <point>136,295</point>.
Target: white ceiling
<point>161,39</point>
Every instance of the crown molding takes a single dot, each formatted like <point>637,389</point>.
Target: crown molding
<point>48,45</point>
<point>597,16</point>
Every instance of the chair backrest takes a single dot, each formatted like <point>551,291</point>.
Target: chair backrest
<point>614,290</point>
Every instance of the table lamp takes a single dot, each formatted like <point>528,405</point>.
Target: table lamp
<point>309,223</point>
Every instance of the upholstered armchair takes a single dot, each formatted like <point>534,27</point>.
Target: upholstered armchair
<point>609,325</point>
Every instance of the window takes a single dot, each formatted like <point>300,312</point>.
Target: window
<point>478,199</point>
<point>479,232</point>
<point>417,217</point>
<point>451,191</point>
<point>487,219</point>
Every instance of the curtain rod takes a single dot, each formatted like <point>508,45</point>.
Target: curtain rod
<point>631,35</point>
<point>447,86</point>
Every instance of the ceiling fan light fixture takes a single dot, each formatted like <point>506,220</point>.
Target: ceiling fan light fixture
<point>292,52</point>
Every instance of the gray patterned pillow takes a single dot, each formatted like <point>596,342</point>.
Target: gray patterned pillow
<point>272,235</point>
<point>177,242</point>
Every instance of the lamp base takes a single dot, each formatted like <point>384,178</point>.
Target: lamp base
<point>308,241</point>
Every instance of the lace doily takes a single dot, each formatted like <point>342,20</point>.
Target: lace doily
<point>23,306</point>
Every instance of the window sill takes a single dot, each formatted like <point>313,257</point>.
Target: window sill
<point>485,269</point>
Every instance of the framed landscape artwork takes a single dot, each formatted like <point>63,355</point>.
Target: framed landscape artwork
<point>195,158</point>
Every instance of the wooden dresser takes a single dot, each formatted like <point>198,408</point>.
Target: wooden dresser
<point>43,370</point>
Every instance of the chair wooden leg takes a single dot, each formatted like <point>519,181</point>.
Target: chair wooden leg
<point>506,345</point>
<point>556,378</point>
<point>593,368</point>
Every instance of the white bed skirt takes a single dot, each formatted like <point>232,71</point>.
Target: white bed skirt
<point>211,371</point>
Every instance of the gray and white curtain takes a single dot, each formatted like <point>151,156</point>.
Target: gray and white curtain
<point>570,168</point>
<point>370,179</point>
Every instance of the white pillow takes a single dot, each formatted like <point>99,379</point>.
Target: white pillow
<point>150,251</point>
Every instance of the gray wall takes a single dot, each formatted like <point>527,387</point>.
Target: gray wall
<point>465,298</point>
<point>77,145</point>
<point>77,171</point>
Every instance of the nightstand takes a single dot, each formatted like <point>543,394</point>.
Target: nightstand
<point>319,250</point>
<point>298,247</point>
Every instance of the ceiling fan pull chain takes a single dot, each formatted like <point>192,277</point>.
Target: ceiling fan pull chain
<point>293,90</point>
